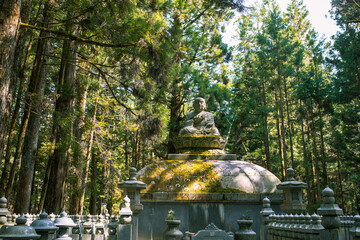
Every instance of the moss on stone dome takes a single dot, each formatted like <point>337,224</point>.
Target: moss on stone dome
<point>211,176</point>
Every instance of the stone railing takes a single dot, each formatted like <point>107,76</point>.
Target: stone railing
<point>330,225</point>
<point>76,227</point>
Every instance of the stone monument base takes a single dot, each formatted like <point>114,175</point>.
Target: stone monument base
<point>203,145</point>
<point>202,157</point>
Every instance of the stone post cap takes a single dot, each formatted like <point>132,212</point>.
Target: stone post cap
<point>3,202</point>
<point>64,220</point>
<point>329,207</point>
<point>267,210</point>
<point>3,207</point>
<point>44,224</point>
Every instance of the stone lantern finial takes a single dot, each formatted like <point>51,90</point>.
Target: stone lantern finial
<point>132,173</point>
<point>290,174</point>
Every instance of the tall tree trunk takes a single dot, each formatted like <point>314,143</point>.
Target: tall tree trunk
<point>289,124</point>
<point>9,28</point>
<point>33,104</point>
<point>311,164</point>
<point>280,106</point>
<point>282,163</point>
<point>18,76</point>
<point>47,175</point>
<point>63,116</point>
<point>315,154</point>
<point>175,118</point>
<point>79,152</point>
<point>340,180</point>
<point>266,130</point>
<point>322,149</point>
<point>88,158</point>
<point>306,161</point>
<point>19,145</point>
<point>93,189</point>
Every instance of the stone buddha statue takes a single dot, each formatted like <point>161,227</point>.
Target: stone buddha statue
<point>199,122</point>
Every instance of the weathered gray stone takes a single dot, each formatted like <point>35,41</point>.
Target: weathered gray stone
<point>316,227</point>
<point>88,228</point>
<point>211,232</point>
<point>65,224</point>
<point>112,228</point>
<point>44,227</point>
<point>100,229</point>
<point>20,231</point>
<point>172,231</point>
<point>132,188</point>
<point>199,122</point>
<point>329,210</point>
<point>265,213</point>
<point>76,231</point>
<point>3,210</point>
<point>292,191</point>
<point>245,231</point>
<point>223,157</point>
<point>355,230</point>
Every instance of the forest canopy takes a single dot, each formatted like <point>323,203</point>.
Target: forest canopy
<point>90,88</point>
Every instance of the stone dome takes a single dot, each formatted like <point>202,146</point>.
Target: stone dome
<point>207,176</point>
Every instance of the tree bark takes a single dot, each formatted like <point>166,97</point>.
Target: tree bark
<point>33,104</point>
<point>280,148</point>
<point>88,158</point>
<point>93,190</point>
<point>63,123</point>
<point>19,145</point>
<point>79,152</point>
<point>9,26</point>
<point>266,131</point>
<point>18,77</point>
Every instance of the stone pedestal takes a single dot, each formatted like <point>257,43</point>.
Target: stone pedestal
<point>245,232</point>
<point>206,145</point>
<point>172,231</point>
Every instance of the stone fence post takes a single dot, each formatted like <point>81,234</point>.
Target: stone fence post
<point>112,228</point>
<point>126,230</point>
<point>87,229</point>
<point>331,213</point>
<point>265,213</point>
<point>3,211</point>
<point>355,230</point>
<point>132,189</point>
<point>65,224</point>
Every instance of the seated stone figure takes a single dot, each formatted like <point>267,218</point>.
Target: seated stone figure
<point>199,122</point>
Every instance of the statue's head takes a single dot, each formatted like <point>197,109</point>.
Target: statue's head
<point>199,104</point>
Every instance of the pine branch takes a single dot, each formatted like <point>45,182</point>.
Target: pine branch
<point>79,39</point>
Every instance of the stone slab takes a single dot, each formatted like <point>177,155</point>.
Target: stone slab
<point>209,197</point>
<point>202,157</point>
